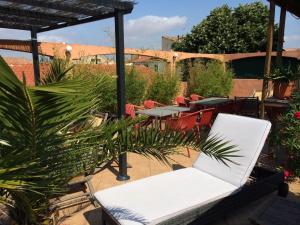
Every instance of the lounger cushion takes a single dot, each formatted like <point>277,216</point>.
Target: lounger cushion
<point>163,196</point>
<point>248,134</point>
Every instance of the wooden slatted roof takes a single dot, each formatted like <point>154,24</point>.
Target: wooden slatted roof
<point>292,6</point>
<point>45,15</point>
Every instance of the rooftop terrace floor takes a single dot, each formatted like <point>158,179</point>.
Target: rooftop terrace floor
<point>141,167</point>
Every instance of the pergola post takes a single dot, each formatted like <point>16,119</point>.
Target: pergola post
<point>281,36</point>
<point>268,59</point>
<point>35,57</point>
<point>120,63</point>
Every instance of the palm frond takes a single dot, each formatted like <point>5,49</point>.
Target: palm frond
<point>58,70</point>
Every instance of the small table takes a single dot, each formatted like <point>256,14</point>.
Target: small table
<point>275,107</point>
<point>162,112</point>
<point>175,108</point>
<point>157,112</point>
<point>209,102</point>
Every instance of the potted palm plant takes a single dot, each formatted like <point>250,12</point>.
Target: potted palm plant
<point>284,81</point>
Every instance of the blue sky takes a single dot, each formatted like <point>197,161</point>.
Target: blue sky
<point>149,20</point>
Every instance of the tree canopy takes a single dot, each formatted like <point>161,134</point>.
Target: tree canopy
<point>229,30</point>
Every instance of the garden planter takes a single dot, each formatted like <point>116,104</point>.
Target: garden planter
<point>283,90</point>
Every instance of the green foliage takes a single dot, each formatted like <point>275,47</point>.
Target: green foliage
<point>289,134</point>
<point>108,93</point>
<point>284,74</point>
<point>135,86</point>
<point>210,79</point>
<point>227,30</point>
<point>58,70</point>
<point>37,153</point>
<point>163,88</point>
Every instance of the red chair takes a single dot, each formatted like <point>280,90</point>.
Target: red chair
<point>184,123</point>
<point>150,104</point>
<point>130,110</point>
<point>195,97</point>
<point>206,118</point>
<point>181,101</point>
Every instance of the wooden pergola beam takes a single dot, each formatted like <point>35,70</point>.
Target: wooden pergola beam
<point>120,67</point>
<point>35,56</point>
<point>268,59</point>
<point>58,6</point>
<point>281,36</point>
<point>292,6</point>
<point>5,10</point>
<point>11,25</point>
<point>21,20</point>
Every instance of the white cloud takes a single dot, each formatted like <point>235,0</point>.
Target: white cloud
<point>292,37</point>
<point>146,31</point>
<point>52,38</point>
<point>149,25</point>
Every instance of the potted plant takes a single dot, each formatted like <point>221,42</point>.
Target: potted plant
<point>284,81</point>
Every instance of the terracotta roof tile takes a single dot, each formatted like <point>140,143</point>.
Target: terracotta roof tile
<point>15,60</point>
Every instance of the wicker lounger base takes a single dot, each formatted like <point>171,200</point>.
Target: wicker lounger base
<point>264,182</point>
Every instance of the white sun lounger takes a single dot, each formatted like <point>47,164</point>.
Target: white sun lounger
<point>163,198</point>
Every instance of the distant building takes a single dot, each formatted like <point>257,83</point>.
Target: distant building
<point>167,41</point>
<point>156,65</point>
<point>96,59</point>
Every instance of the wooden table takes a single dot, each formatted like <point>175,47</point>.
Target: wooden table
<point>162,112</point>
<point>275,107</point>
<point>278,211</point>
<point>213,102</point>
<point>175,108</point>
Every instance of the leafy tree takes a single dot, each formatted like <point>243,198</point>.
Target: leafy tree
<point>227,30</point>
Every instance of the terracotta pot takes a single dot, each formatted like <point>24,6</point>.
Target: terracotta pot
<point>283,90</point>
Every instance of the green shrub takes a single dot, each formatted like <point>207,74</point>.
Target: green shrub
<point>163,88</point>
<point>289,134</point>
<point>210,79</point>
<point>135,87</point>
<point>108,94</point>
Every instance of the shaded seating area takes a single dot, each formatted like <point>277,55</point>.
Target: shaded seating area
<point>198,194</point>
<point>192,194</point>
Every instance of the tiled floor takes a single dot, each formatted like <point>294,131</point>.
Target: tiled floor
<point>144,167</point>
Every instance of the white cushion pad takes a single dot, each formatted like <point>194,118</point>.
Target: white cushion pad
<point>248,134</point>
<point>157,198</point>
